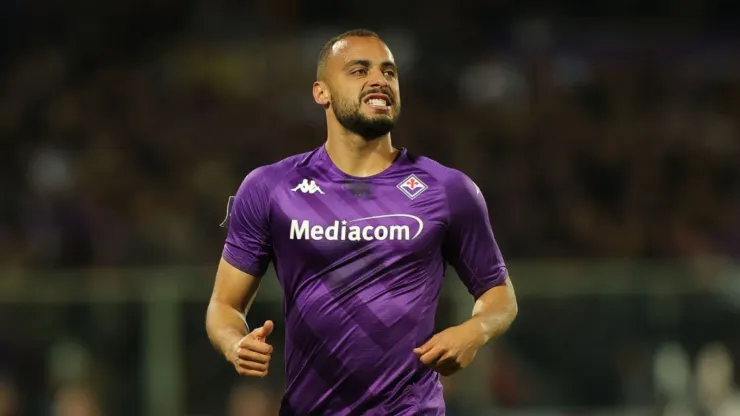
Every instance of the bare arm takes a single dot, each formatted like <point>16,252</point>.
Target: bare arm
<point>473,251</point>
<point>244,261</point>
<point>494,311</point>
<point>455,347</point>
<point>233,293</point>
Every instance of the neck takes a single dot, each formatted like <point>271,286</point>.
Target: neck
<point>356,156</point>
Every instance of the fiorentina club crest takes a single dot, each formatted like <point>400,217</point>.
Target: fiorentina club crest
<point>412,187</point>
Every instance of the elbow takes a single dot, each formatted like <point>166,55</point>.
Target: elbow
<point>514,310</point>
<point>513,305</point>
<point>508,315</point>
<point>213,316</point>
<point>209,319</point>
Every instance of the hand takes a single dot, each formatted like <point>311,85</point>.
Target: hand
<point>251,354</point>
<point>452,349</point>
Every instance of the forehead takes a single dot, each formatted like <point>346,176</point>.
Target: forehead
<point>359,48</point>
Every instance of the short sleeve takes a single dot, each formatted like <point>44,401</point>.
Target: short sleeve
<point>470,246</point>
<point>248,245</point>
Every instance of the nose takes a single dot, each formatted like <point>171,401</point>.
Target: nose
<point>377,79</point>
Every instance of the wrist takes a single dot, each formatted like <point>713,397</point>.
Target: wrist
<point>478,330</point>
<point>231,345</point>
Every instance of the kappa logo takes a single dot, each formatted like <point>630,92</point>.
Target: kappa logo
<point>308,187</point>
<point>412,187</point>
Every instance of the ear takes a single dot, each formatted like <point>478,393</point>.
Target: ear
<point>321,94</point>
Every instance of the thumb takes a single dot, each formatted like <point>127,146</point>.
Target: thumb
<point>263,331</point>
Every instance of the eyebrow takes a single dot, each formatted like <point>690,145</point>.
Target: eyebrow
<point>366,63</point>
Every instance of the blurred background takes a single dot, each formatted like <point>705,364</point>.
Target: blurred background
<point>603,134</point>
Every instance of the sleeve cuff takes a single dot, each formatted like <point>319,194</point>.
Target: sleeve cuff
<point>248,267</point>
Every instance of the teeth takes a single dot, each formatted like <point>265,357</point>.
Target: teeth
<point>377,101</point>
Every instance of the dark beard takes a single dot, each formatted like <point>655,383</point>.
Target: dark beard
<point>365,127</point>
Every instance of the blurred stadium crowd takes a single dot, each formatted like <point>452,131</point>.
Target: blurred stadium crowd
<point>121,145</point>
<point>125,127</point>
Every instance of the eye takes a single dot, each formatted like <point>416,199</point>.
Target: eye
<point>359,71</point>
<point>390,73</point>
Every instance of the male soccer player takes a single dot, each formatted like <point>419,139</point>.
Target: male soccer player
<point>359,233</point>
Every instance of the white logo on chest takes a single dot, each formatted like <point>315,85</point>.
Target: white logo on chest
<point>355,230</point>
<point>308,187</point>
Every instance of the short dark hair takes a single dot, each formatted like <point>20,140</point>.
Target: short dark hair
<point>326,49</point>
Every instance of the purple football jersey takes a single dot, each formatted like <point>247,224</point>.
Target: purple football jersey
<point>361,263</point>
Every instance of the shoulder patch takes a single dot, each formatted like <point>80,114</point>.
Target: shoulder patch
<point>229,206</point>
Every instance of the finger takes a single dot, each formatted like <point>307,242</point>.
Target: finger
<point>447,368</point>
<point>446,357</point>
<point>426,347</point>
<point>447,364</point>
<point>245,354</point>
<point>267,328</point>
<point>252,373</point>
<point>253,365</point>
<point>256,346</point>
<point>263,331</point>
<point>431,356</point>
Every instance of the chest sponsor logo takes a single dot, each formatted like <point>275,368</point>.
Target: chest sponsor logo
<point>398,227</point>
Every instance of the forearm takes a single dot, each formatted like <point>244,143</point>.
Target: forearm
<point>494,311</point>
<point>225,326</point>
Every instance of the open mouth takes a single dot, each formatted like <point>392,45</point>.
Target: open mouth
<point>378,102</point>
